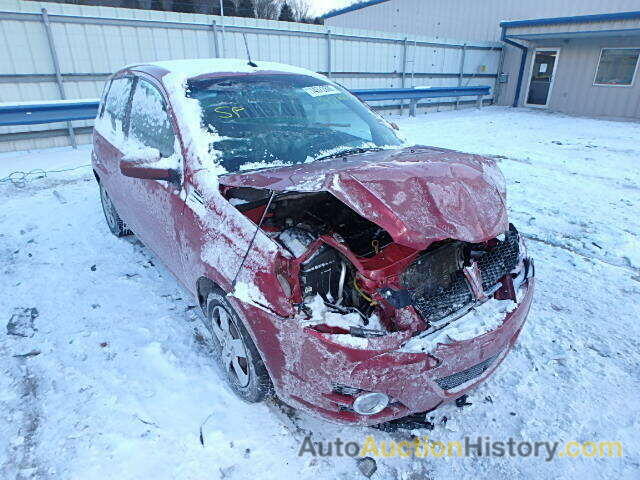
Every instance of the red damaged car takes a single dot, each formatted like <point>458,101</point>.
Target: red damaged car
<point>362,279</point>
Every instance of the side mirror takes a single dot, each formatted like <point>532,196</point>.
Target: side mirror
<point>151,167</point>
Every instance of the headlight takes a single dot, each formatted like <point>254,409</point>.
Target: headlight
<point>370,403</point>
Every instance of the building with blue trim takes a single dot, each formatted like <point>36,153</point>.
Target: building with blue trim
<point>579,57</point>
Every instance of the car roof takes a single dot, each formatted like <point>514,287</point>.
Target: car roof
<point>191,68</point>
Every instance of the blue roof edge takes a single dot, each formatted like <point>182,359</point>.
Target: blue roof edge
<point>572,19</point>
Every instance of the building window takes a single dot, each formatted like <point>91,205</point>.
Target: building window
<point>617,66</point>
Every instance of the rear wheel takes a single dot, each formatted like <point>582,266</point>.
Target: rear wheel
<point>235,351</point>
<point>114,222</point>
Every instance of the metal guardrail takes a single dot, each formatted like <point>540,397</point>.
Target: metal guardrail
<point>417,94</point>
<point>70,110</point>
<point>47,112</point>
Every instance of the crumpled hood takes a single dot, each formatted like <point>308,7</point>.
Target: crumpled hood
<point>418,195</point>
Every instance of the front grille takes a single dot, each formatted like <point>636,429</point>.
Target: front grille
<point>458,378</point>
<point>437,284</point>
<point>444,302</point>
<point>500,260</point>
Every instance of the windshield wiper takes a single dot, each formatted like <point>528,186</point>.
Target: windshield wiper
<point>349,151</point>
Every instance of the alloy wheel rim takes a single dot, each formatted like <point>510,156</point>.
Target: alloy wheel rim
<point>233,352</point>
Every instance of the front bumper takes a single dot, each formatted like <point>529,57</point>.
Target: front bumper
<point>306,366</point>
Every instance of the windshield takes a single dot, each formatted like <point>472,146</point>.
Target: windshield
<point>276,119</point>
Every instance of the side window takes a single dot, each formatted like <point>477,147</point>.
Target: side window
<point>115,105</point>
<point>149,122</point>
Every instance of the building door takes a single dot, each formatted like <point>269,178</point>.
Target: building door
<point>543,69</point>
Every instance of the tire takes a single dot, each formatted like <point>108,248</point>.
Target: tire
<point>235,351</point>
<point>114,222</point>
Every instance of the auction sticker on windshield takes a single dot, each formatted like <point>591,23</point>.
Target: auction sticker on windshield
<point>320,90</point>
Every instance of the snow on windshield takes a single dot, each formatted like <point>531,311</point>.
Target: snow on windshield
<point>267,120</point>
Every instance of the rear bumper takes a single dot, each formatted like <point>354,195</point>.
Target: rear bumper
<point>305,366</point>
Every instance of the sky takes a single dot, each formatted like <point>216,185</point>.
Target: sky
<point>318,7</point>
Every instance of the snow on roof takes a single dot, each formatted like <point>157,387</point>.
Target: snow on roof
<point>201,66</point>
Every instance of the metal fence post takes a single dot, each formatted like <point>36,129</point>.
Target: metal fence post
<point>463,55</point>
<point>413,66</point>
<point>404,72</point>
<point>56,67</point>
<point>224,47</point>
<point>329,53</point>
<point>412,107</point>
<point>216,47</point>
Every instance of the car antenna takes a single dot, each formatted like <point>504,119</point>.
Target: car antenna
<point>264,215</point>
<point>246,45</point>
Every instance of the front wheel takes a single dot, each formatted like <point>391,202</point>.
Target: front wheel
<point>114,222</point>
<point>235,351</point>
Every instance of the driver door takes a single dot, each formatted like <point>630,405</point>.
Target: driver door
<point>155,204</point>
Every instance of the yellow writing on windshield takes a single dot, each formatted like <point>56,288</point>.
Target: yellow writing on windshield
<point>228,111</point>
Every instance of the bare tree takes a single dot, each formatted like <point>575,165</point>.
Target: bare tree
<point>268,9</point>
<point>300,9</point>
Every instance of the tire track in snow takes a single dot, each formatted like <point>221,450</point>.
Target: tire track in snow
<point>609,181</point>
<point>22,459</point>
<point>550,243</point>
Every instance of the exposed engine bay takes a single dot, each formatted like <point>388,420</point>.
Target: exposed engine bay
<point>355,266</point>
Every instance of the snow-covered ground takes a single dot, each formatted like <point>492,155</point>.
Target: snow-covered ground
<point>106,379</point>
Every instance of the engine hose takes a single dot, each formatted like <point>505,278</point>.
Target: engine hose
<point>371,301</point>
